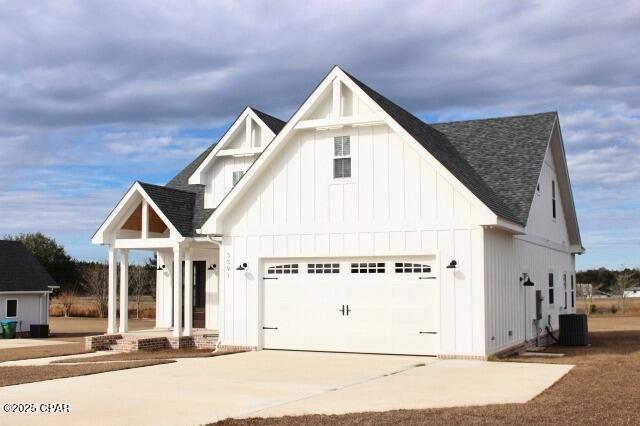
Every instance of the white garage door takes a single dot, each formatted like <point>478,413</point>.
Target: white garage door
<point>369,305</point>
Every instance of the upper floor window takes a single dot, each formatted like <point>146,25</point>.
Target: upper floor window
<point>553,198</point>
<point>237,175</point>
<point>538,188</point>
<point>342,157</point>
<point>551,293</point>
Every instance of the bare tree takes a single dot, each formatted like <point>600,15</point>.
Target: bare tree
<point>94,283</point>
<point>67,299</point>
<point>140,284</point>
<point>624,281</point>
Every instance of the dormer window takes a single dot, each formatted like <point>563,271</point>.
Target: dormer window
<point>237,175</point>
<point>342,157</point>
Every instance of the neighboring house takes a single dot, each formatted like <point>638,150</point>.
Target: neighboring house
<point>632,292</point>
<point>24,287</point>
<point>358,227</point>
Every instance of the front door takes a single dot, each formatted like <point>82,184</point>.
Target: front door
<point>199,284</point>
<point>198,280</point>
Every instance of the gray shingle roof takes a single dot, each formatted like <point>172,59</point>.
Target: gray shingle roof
<point>446,153</point>
<point>275,124</point>
<point>20,271</point>
<point>177,205</point>
<point>507,152</point>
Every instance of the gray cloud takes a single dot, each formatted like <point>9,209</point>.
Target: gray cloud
<point>101,84</point>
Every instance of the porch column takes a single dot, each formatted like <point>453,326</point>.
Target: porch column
<point>177,292</point>
<point>124,291</point>
<point>111,312</point>
<point>188,293</point>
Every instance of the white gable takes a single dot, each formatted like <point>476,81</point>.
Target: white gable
<point>340,105</point>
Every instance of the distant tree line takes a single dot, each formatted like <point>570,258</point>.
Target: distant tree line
<point>606,280</point>
<point>83,278</point>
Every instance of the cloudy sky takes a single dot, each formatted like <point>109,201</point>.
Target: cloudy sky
<point>94,95</point>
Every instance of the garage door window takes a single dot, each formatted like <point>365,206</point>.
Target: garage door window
<point>12,308</point>
<point>367,268</point>
<point>323,268</point>
<point>404,268</point>
<point>283,269</point>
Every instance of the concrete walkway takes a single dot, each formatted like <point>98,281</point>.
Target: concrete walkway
<point>275,383</point>
<point>28,343</point>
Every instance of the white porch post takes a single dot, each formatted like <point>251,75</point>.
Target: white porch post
<point>188,293</point>
<point>177,292</point>
<point>124,291</point>
<point>145,220</point>
<point>111,317</point>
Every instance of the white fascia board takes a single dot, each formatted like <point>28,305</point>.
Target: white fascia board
<point>240,152</point>
<point>340,121</point>
<point>149,243</point>
<point>487,215</point>
<point>196,177</point>
<point>507,225</point>
<point>136,189</point>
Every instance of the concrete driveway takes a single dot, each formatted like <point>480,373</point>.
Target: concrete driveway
<point>276,383</point>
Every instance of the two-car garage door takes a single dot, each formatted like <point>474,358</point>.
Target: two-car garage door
<point>387,305</point>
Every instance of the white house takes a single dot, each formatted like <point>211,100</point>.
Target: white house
<point>357,227</point>
<point>25,287</point>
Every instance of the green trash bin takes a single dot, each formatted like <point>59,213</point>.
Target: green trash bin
<point>9,329</point>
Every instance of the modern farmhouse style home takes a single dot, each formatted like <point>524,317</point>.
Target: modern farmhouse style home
<point>357,227</point>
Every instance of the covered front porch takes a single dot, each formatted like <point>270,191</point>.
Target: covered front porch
<point>161,220</point>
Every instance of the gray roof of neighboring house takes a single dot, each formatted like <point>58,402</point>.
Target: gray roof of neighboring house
<point>499,160</point>
<point>187,221</point>
<point>20,271</point>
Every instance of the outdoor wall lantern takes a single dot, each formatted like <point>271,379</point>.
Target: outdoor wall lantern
<point>161,267</point>
<point>452,264</point>
<point>526,281</point>
<point>212,267</point>
<point>242,267</point>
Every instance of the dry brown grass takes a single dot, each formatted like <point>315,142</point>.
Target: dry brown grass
<point>148,355</point>
<point>603,388</point>
<point>27,374</point>
<point>76,329</point>
<point>604,306</point>
<point>41,351</point>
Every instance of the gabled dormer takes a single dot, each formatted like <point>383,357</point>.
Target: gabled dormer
<point>225,165</point>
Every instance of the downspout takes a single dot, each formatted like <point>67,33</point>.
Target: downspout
<point>217,239</point>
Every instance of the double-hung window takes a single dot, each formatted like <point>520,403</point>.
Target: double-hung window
<point>551,293</point>
<point>237,175</point>
<point>342,157</point>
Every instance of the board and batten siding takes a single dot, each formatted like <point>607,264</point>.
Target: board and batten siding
<point>507,258</point>
<point>396,203</point>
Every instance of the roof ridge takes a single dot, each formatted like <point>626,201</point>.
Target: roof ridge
<point>164,187</point>
<point>506,117</point>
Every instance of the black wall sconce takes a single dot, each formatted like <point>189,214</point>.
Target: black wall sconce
<point>242,267</point>
<point>452,265</point>
<point>212,267</point>
<point>160,267</point>
<point>526,281</point>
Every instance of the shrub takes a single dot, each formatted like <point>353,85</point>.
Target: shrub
<point>593,309</point>
<point>614,309</point>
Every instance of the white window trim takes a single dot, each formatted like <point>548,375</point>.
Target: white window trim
<point>335,157</point>
<point>6,308</point>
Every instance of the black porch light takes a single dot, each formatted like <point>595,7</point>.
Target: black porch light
<point>211,267</point>
<point>452,264</point>
<point>160,267</point>
<point>242,267</point>
<point>526,281</point>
